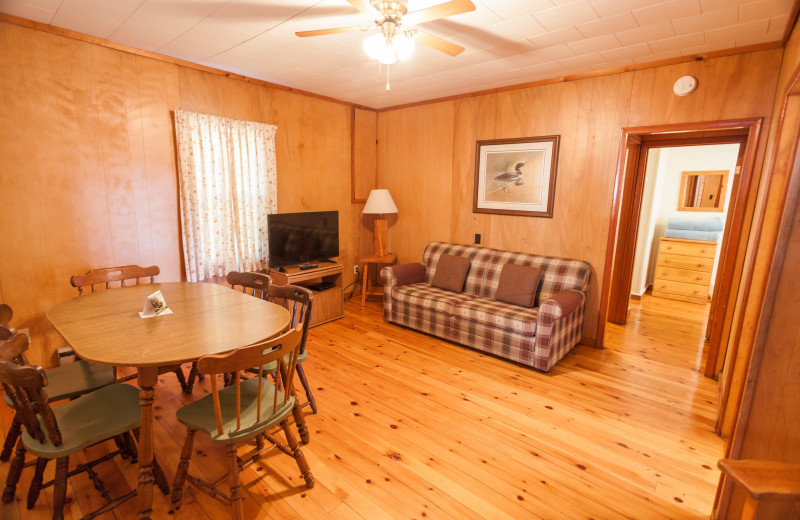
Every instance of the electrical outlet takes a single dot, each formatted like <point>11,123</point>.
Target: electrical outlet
<point>355,270</point>
<point>477,238</point>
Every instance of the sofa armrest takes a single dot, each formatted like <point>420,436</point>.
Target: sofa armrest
<point>562,304</point>
<point>402,274</point>
<point>559,327</point>
<point>396,276</point>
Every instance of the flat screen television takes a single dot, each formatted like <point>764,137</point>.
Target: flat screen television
<point>302,238</point>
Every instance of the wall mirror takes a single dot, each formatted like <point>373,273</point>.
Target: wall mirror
<point>703,191</point>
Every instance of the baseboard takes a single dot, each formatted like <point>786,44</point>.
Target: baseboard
<point>636,297</point>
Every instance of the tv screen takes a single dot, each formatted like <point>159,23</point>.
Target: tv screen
<point>298,238</point>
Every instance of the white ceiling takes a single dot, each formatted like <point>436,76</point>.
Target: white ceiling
<point>507,41</point>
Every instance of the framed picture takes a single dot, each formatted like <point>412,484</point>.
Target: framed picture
<point>516,176</point>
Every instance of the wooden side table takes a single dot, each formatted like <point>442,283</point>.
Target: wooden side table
<point>377,260</point>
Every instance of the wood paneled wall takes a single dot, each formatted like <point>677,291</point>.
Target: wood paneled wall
<point>765,378</point>
<point>88,173</point>
<point>426,153</point>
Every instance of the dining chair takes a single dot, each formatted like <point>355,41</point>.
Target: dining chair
<point>297,300</point>
<point>253,408</point>
<point>66,382</point>
<point>255,284</point>
<point>108,413</point>
<point>113,277</point>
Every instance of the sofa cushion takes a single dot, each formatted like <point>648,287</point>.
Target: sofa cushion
<point>425,296</point>
<point>450,273</point>
<point>501,315</point>
<point>518,284</point>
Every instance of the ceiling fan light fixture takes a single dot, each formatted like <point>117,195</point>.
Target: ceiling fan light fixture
<point>379,48</point>
<point>403,46</point>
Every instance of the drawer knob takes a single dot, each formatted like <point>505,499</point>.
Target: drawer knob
<point>699,277</point>
<point>700,264</point>
<point>702,250</point>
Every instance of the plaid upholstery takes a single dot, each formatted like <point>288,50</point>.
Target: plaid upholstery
<point>500,315</point>
<point>538,337</point>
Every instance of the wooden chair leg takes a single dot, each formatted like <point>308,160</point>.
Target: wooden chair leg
<point>190,379</point>
<point>11,438</point>
<point>237,501</point>
<point>183,469</point>
<point>302,375</point>
<point>300,421</point>
<point>297,453</point>
<point>36,483</point>
<point>14,473</point>
<point>60,488</point>
<point>181,379</point>
<point>130,445</point>
<point>160,478</point>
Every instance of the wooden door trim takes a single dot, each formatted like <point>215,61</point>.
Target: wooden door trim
<point>752,125</point>
<point>728,259</point>
<point>628,228</point>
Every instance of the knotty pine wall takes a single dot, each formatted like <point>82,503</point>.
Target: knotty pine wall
<point>426,153</point>
<point>88,174</point>
<point>765,380</point>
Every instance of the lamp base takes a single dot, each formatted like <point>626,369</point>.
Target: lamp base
<point>381,237</point>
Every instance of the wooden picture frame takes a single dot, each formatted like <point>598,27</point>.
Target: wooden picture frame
<point>516,176</point>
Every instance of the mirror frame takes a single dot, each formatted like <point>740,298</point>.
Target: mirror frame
<point>723,190</point>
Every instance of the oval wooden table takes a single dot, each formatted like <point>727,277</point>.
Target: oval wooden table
<point>105,327</point>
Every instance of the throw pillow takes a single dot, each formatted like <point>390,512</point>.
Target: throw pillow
<point>518,284</point>
<point>451,271</point>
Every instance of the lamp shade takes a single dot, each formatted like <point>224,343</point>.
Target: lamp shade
<point>380,202</point>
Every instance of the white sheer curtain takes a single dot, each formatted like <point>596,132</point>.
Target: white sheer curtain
<point>228,186</point>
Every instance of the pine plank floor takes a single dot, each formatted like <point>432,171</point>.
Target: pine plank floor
<point>414,427</point>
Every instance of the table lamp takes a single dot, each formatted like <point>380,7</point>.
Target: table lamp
<point>380,203</point>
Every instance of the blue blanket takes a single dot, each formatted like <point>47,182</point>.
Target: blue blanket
<point>709,236</point>
<point>695,224</point>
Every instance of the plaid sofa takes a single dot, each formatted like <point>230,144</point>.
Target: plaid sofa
<point>539,336</point>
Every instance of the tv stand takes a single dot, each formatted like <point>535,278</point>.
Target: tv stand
<point>324,280</point>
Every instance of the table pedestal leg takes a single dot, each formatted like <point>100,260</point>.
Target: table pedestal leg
<point>148,377</point>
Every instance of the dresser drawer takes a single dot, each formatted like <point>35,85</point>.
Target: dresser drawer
<point>686,262</point>
<point>688,248</point>
<point>683,275</point>
<point>681,288</point>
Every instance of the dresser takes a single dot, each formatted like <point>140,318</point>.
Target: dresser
<point>683,269</point>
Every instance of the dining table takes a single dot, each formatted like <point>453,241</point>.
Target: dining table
<point>206,318</point>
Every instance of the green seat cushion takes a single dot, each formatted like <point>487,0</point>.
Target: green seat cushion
<point>200,414</point>
<point>74,379</point>
<point>89,419</point>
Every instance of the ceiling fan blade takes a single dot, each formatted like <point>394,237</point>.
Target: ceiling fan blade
<point>363,5</point>
<point>438,43</point>
<point>450,8</point>
<point>322,32</point>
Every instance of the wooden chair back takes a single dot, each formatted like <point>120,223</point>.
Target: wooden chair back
<point>242,359</point>
<point>5,314</point>
<point>255,284</point>
<point>109,277</point>
<point>298,301</point>
<point>24,384</point>
<point>13,344</point>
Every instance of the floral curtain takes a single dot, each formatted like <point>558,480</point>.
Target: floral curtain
<point>228,186</point>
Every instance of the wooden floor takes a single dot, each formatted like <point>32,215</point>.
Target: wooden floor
<point>413,427</point>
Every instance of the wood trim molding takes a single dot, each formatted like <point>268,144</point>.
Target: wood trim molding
<point>353,198</point>
<point>23,22</point>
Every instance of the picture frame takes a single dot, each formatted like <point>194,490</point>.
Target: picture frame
<point>516,176</point>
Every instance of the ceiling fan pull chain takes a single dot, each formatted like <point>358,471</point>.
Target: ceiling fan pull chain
<point>387,78</point>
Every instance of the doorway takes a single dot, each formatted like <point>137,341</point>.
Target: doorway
<point>626,210</point>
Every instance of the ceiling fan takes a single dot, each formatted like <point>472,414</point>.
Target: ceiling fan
<point>396,39</point>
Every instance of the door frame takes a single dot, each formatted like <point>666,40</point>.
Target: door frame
<point>738,206</point>
<point>631,210</point>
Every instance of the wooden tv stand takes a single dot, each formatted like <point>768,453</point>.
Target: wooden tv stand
<point>327,304</point>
